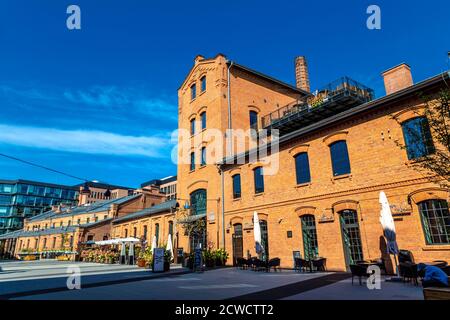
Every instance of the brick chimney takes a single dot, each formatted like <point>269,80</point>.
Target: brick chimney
<point>301,74</point>
<point>397,78</point>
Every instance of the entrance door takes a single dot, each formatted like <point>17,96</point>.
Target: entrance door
<point>351,237</point>
<point>238,246</point>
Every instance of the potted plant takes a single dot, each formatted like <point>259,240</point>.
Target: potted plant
<point>209,258</point>
<point>141,262</point>
<point>221,257</point>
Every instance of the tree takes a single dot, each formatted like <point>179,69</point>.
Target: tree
<point>435,165</point>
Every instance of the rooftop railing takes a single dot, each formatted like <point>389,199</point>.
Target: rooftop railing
<point>335,97</point>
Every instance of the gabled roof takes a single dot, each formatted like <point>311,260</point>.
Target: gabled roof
<point>162,207</point>
<point>99,206</point>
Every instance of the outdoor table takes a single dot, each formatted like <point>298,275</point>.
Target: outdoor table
<point>439,264</point>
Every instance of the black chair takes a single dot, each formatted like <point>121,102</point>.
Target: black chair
<point>408,271</point>
<point>358,271</point>
<point>302,265</point>
<point>446,269</point>
<point>274,263</point>
<point>405,256</point>
<point>320,264</point>
<point>380,263</point>
<point>241,263</point>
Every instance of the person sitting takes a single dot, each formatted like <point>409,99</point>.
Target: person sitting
<point>432,276</point>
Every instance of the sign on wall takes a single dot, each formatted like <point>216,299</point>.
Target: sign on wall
<point>158,260</point>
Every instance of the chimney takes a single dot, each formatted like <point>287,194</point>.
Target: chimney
<point>397,78</point>
<point>301,74</point>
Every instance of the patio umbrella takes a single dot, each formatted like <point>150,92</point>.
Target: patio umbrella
<point>257,234</point>
<point>122,253</point>
<point>131,254</point>
<point>153,243</point>
<point>169,246</point>
<point>387,222</point>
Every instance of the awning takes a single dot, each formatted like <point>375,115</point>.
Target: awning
<point>117,241</point>
<point>190,219</point>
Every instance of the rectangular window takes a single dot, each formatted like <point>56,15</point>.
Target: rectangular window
<point>203,117</point>
<point>203,83</point>
<point>418,140</point>
<point>203,162</point>
<point>258,179</point>
<point>193,91</point>
<point>302,168</point>
<point>436,221</point>
<point>236,186</point>
<point>192,161</point>
<point>339,158</point>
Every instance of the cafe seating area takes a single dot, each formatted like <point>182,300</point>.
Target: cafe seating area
<point>311,265</point>
<point>256,264</point>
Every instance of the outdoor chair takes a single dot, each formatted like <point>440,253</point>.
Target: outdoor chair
<point>241,263</point>
<point>446,269</point>
<point>408,271</point>
<point>380,263</point>
<point>273,263</point>
<point>358,271</point>
<point>302,264</point>
<point>405,256</point>
<point>320,264</point>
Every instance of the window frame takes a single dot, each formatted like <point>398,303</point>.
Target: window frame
<point>260,189</point>
<point>426,137</point>
<point>236,195</point>
<point>192,126</point>
<point>203,156</point>
<point>305,166</point>
<point>426,226</point>
<point>193,88</point>
<point>203,120</point>
<point>336,172</point>
<point>203,84</point>
<point>192,163</point>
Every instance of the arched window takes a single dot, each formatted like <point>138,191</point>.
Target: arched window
<point>203,83</point>
<point>198,202</point>
<point>45,243</point>
<point>236,186</point>
<point>125,233</point>
<point>351,236</point>
<point>134,232</point>
<point>309,233</point>
<point>302,168</point>
<point>145,232</point>
<point>418,138</point>
<point>339,158</point>
<point>258,179</point>
<point>193,91</point>
<point>203,118</point>
<point>203,156</point>
<point>171,229</point>
<point>253,115</point>
<point>192,165</point>
<point>192,124</point>
<point>264,239</point>
<point>436,221</point>
<point>157,233</point>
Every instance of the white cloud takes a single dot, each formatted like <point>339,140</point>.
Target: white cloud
<point>84,141</point>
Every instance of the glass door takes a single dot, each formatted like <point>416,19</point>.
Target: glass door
<point>351,237</point>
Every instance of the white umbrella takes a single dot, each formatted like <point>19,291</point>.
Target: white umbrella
<point>257,234</point>
<point>131,254</point>
<point>153,243</point>
<point>387,222</point>
<point>122,253</point>
<point>169,246</point>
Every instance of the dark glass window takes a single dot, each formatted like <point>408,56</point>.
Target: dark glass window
<point>145,232</point>
<point>418,138</point>
<point>339,158</point>
<point>203,160</point>
<point>192,126</point>
<point>351,236</point>
<point>171,228</point>
<point>193,91</point>
<point>259,179</point>
<point>198,202</point>
<point>157,233</point>
<point>236,186</point>
<point>203,117</point>
<point>192,161</point>
<point>203,83</point>
<point>253,120</point>
<point>436,221</point>
<point>302,168</point>
<point>264,239</point>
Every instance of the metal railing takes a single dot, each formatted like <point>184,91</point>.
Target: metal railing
<point>333,93</point>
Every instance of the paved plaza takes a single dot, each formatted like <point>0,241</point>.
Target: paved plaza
<point>42,280</point>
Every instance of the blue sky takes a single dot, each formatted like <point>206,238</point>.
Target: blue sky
<point>101,102</point>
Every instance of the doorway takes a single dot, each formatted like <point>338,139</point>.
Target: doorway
<point>351,237</point>
<point>238,245</point>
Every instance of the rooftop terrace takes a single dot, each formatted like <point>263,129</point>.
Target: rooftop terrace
<point>335,97</point>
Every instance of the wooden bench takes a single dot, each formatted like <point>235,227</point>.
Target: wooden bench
<point>436,293</point>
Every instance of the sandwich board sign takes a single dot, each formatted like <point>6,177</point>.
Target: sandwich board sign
<point>158,260</point>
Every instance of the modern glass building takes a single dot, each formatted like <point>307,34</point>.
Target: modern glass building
<point>20,199</point>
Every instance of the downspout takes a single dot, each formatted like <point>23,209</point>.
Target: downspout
<point>227,136</point>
